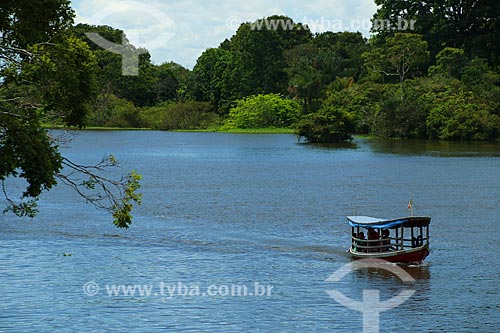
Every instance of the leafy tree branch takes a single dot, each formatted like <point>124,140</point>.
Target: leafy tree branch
<point>48,73</point>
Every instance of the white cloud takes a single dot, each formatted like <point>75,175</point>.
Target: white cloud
<point>180,30</point>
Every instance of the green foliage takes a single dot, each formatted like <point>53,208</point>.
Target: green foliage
<point>212,80</point>
<point>262,111</point>
<point>24,23</point>
<point>474,73</point>
<point>122,211</point>
<point>111,111</point>
<point>189,115</point>
<point>46,73</point>
<point>334,121</point>
<point>65,73</point>
<point>252,62</point>
<point>341,83</point>
<point>381,85</point>
<point>471,26</point>
<point>449,62</point>
<point>458,115</point>
<point>399,118</point>
<point>320,62</point>
<point>153,85</point>
<point>27,152</point>
<point>259,53</point>
<point>152,116</point>
<point>339,55</point>
<point>23,208</point>
<point>170,79</point>
<point>306,85</point>
<point>359,101</point>
<point>403,56</point>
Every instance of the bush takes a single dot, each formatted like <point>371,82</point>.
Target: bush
<point>153,115</point>
<point>400,118</point>
<point>112,111</point>
<point>188,116</point>
<point>459,116</point>
<point>263,111</point>
<point>332,123</point>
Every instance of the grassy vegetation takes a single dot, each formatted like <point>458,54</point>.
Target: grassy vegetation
<point>269,130</point>
<point>96,128</point>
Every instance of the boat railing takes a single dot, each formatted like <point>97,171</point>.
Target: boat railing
<point>388,244</point>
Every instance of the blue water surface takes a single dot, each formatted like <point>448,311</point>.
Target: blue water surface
<point>224,211</point>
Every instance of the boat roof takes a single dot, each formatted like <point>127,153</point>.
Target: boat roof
<point>378,223</point>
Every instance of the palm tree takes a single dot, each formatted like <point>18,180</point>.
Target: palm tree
<point>306,85</point>
<point>341,83</point>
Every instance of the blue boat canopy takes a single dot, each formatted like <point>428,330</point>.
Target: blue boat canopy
<point>377,223</point>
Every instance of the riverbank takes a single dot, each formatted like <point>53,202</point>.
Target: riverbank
<point>96,128</point>
<point>271,130</point>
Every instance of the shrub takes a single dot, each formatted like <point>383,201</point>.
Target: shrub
<point>112,111</point>
<point>333,122</point>
<point>459,116</point>
<point>262,111</point>
<point>188,116</point>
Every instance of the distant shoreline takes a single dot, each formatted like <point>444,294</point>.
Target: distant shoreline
<point>233,130</point>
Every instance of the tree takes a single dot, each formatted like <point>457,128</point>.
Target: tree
<point>328,125</point>
<point>171,82</point>
<point>333,122</point>
<point>304,80</point>
<point>112,111</point>
<point>404,55</point>
<point>472,25</point>
<point>252,62</point>
<point>449,62</point>
<point>65,72</point>
<point>262,111</point>
<point>484,82</point>
<point>458,115</point>
<point>46,72</point>
<point>258,54</point>
<point>189,115</point>
<point>24,23</point>
<point>212,79</point>
<point>320,62</point>
<point>339,54</point>
<point>259,50</point>
<point>341,83</point>
<point>140,89</point>
<point>397,118</point>
<point>306,85</point>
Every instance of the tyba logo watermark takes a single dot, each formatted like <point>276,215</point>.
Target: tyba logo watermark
<point>157,21</point>
<point>371,306</point>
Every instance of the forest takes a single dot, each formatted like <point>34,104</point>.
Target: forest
<point>438,81</point>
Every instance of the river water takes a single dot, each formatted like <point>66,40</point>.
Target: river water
<point>238,233</point>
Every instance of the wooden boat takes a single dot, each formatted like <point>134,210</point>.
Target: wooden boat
<point>402,240</point>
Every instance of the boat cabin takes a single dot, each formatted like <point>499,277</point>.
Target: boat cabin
<point>403,239</point>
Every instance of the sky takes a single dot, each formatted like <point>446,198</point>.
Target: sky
<point>180,30</point>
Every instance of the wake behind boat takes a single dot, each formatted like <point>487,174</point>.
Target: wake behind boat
<point>402,240</point>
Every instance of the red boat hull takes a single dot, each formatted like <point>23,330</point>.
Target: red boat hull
<point>413,256</point>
